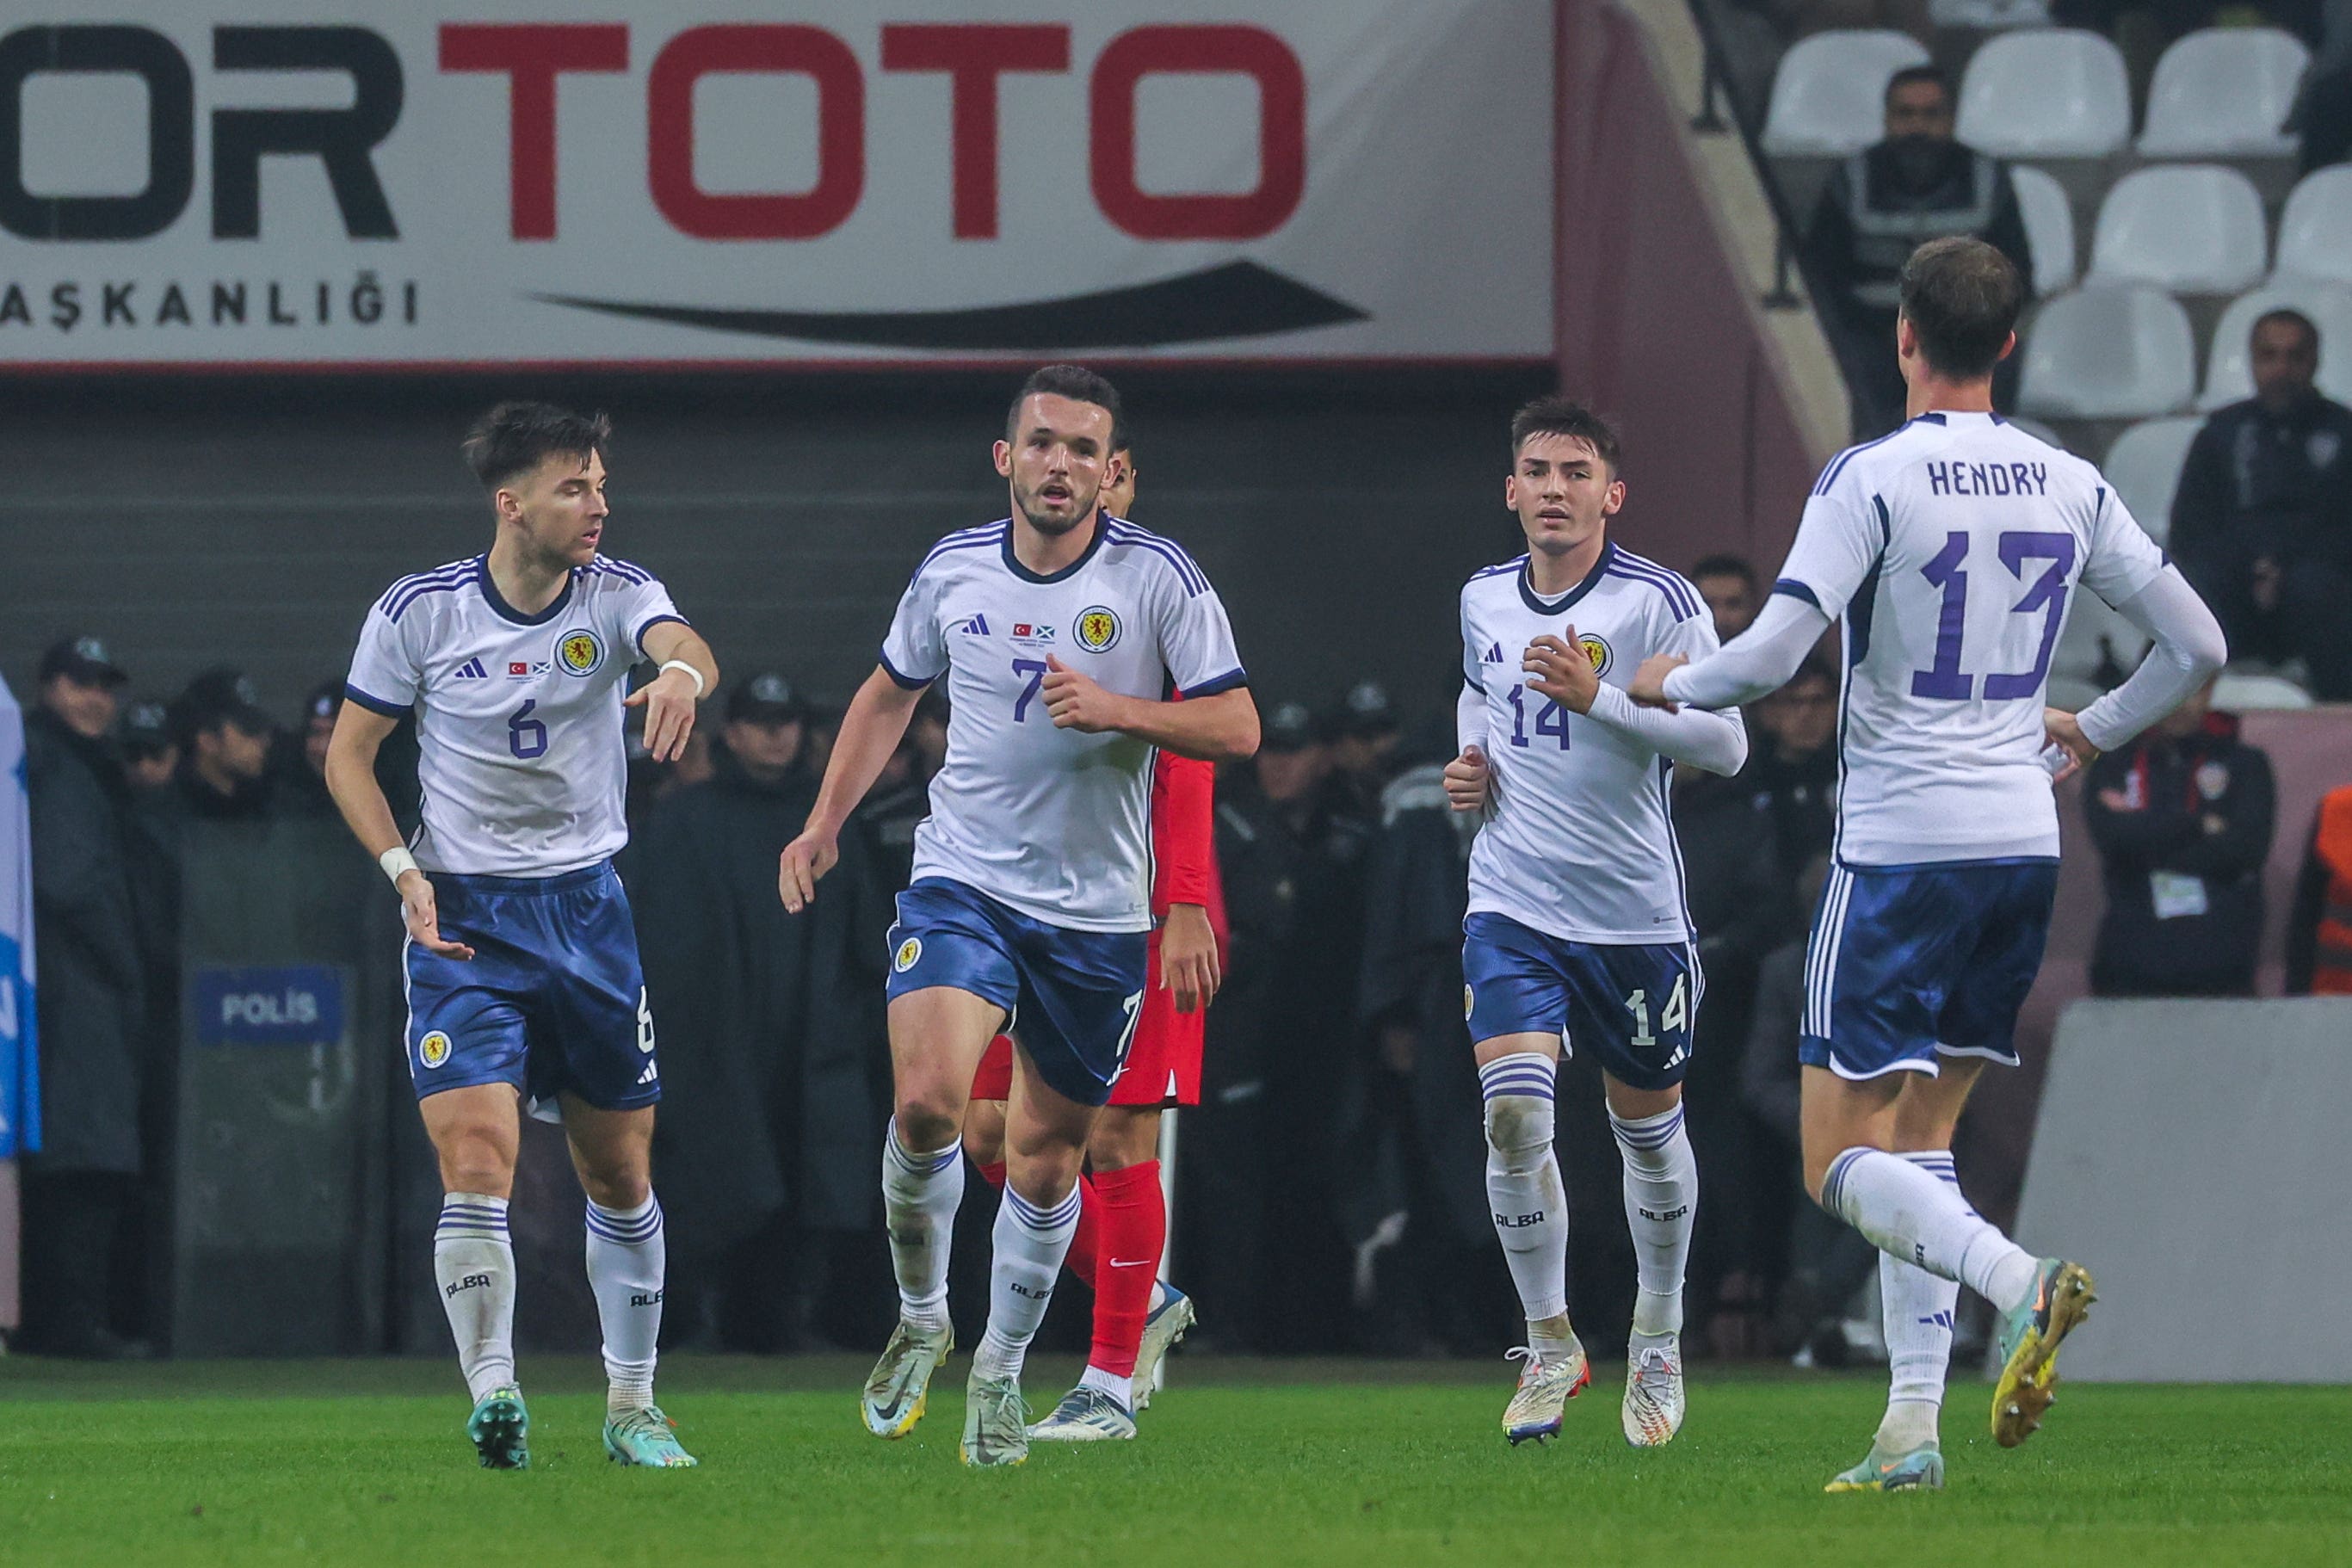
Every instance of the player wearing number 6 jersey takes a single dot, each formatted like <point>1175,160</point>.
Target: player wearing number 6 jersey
<point>1577,935</point>
<point>1060,632</point>
<point>520,968</point>
<point>1951,549</point>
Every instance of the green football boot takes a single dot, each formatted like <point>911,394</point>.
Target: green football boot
<point>2030,1337</point>
<point>500,1430</point>
<point>1921,1469</point>
<point>643,1438</point>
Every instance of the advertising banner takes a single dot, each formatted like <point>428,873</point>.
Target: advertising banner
<point>461,183</point>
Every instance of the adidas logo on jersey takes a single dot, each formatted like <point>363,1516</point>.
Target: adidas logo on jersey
<point>976,626</point>
<point>1492,656</point>
<point>652,1074</point>
<point>472,670</point>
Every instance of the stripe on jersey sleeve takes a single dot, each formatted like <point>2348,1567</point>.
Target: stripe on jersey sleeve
<point>374,704</point>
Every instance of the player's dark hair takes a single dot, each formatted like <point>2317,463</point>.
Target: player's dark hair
<point>1726,564</point>
<point>1079,385</point>
<point>2303,323</point>
<point>515,437</point>
<point>1962,295</point>
<point>1910,74</point>
<point>1555,413</point>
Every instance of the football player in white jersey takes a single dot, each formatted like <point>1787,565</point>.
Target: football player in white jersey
<point>521,965</point>
<point>1951,549</point>
<point>1060,631</point>
<point>1577,935</point>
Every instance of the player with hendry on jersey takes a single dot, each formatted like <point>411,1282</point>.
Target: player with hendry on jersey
<point>1058,630</point>
<point>1122,1210</point>
<point>521,963</point>
<point>1577,934</point>
<point>1950,550</point>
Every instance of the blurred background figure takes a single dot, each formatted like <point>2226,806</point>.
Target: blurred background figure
<point>81,1192</point>
<point>1728,585</point>
<point>2261,525</point>
<point>1364,734</point>
<point>2319,928</point>
<point>2182,818</point>
<point>224,738</point>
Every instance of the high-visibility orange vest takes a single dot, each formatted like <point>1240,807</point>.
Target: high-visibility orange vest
<point>2331,969</point>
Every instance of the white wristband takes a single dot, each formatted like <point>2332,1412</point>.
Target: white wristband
<point>681,664</point>
<point>397,862</point>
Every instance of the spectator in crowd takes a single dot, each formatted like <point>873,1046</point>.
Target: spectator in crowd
<point>771,1029</point>
<point>1415,1210</point>
<point>81,1191</point>
<point>150,756</point>
<point>225,736</point>
<point>1919,184</point>
<point>1795,772</point>
<point>2261,523</point>
<point>1742,908</point>
<point>2322,116</point>
<point>298,759</point>
<point>1364,736</point>
<point>901,795</point>
<point>1268,826</point>
<point>2319,929</point>
<point>2182,819</point>
<point>1727,583</point>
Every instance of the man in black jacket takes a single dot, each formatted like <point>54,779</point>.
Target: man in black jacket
<point>1880,205</point>
<point>2182,818</point>
<point>773,1071</point>
<point>2261,523</point>
<point>82,1189</point>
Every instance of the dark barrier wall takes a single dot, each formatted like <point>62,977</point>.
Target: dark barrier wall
<point>254,523</point>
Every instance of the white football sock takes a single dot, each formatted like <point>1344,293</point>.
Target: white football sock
<point>627,1256</point>
<point>1524,1190</point>
<point>1906,1212</point>
<point>1030,1244</point>
<point>1660,1197</point>
<point>473,1262</point>
<point>920,1193</point>
<point>1917,1309</point>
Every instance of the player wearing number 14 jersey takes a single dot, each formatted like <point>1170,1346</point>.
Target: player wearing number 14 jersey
<point>1577,934</point>
<point>1950,550</point>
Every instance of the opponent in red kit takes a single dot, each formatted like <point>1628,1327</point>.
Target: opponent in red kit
<point>1123,1215</point>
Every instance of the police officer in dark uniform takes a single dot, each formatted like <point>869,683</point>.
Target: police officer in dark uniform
<point>1880,206</point>
<point>2263,520</point>
<point>225,737</point>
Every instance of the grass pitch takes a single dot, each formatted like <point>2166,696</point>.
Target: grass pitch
<point>1240,1463</point>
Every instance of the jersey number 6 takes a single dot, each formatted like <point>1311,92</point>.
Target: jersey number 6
<point>526,736</point>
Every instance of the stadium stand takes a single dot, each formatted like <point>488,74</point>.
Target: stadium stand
<point>2115,351</point>
<point>2192,228</point>
<point>1828,94</point>
<point>2049,228</point>
<point>2224,93</point>
<point>2315,234</point>
<point>2144,465</point>
<point>2228,378</point>
<point>2055,93</point>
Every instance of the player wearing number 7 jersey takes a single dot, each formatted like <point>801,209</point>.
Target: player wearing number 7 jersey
<point>1951,549</point>
<point>1577,933</point>
<point>520,968</point>
<point>1060,632</point>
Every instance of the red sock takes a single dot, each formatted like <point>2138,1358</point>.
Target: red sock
<point>994,1174</point>
<point>1132,1216</point>
<point>1086,1248</point>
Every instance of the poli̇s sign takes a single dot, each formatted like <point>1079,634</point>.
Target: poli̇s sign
<point>466,181</point>
<point>292,1005</point>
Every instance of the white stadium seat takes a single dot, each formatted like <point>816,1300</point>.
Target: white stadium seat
<point>2194,228</point>
<point>2109,353</point>
<point>2054,92</point>
<point>2223,93</point>
<point>2230,378</point>
<point>1828,95</point>
<point>2049,229</point>
<point>2144,465</point>
<point>2039,432</point>
<point>2242,691</point>
<point>2315,238</point>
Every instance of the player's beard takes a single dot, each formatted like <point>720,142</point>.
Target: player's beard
<point>1050,526</point>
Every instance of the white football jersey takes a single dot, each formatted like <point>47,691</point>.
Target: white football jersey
<point>1052,822</point>
<point>522,763</point>
<point>1582,842</point>
<point>1953,549</point>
